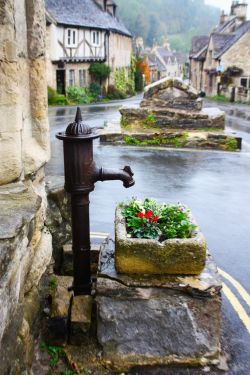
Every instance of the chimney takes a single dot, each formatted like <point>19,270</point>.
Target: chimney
<point>111,7</point>
<point>223,18</point>
<point>102,4</point>
<point>239,9</point>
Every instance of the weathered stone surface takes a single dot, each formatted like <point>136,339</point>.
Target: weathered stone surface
<point>172,93</point>
<point>206,284</point>
<point>177,139</point>
<point>158,320</point>
<point>61,297</point>
<point>40,262</point>
<point>24,148</point>
<point>83,358</point>
<point>175,256</point>
<point>168,118</point>
<point>81,312</point>
<point>155,88</point>
<point>58,219</point>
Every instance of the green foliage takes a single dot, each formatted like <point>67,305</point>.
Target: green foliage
<point>157,141</point>
<point>139,83</point>
<point>231,144</point>
<point>55,352</point>
<point>115,93</point>
<point>95,89</point>
<point>149,219</point>
<point>79,95</point>
<point>220,98</point>
<point>124,83</point>
<point>52,283</point>
<point>99,71</point>
<point>150,120</point>
<point>155,20</point>
<point>56,99</point>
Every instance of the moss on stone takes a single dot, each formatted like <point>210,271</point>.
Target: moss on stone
<point>231,144</point>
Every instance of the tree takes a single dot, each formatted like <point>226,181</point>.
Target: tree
<point>99,71</point>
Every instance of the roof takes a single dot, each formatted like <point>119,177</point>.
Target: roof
<point>153,60</point>
<point>198,43</point>
<point>173,57</point>
<point>221,38</point>
<point>84,13</point>
<point>228,42</point>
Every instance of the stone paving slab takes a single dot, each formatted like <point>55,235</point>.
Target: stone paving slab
<point>157,321</point>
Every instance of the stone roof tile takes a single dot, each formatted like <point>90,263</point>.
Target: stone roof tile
<point>84,13</point>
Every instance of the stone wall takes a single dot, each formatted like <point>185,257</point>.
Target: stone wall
<point>25,244</point>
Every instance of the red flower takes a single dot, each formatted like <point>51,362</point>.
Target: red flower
<point>140,215</point>
<point>155,218</point>
<point>148,214</point>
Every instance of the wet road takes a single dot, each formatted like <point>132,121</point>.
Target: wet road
<point>215,185</point>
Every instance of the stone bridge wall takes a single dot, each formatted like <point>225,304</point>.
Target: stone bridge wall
<point>25,244</point>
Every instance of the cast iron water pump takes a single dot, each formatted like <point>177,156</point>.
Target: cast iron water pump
<point>81,174</point>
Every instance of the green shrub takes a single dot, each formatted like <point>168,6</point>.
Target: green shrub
<point>56,99</point>
<point>99,71</point>
<point>150,120</point>
<point>115,93</point>
<point>79,95</point>
<point>95,89</point>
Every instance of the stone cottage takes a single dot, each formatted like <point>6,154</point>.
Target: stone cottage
<point>25,244</point>
<point>220,63</point>
<point>80,32</point>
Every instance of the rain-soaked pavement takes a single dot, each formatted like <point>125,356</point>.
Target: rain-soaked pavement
<point>215,185</point>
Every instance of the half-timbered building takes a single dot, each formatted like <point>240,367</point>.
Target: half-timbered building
<point>80,32</point>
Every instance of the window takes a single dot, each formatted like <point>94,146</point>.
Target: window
<point>71,77</point>
<point>71,37</point>
<point>245,82</point>
<point>82,78</point>
<point>96,38</point>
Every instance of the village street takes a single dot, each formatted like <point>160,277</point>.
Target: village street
<point>215,185</point>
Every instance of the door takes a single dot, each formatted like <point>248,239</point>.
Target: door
<point>60,81</point>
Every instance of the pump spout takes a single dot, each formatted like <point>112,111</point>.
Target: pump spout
<point>125,175</point>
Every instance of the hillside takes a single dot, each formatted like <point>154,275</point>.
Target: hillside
<point>177,20</point>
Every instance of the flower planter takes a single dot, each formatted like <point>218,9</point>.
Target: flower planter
<point>143,256</point>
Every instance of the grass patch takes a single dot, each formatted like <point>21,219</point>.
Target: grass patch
<point>231,144</point>
<point>53,283</point>
<point>219,98</point>
<point>157,141</point>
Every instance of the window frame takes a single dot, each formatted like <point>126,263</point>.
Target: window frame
<point>71,37</point>
<point>71,78</point>
<point>96,38</point>
<point>247,87</point>
<point>82,72</point>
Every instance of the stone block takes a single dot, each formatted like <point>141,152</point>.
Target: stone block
<point>80,322</point>
<point>163,320</point>
<point>61,297</point>
<point>40,262</point>
<point>10,154</point>
<point>143,256</point>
